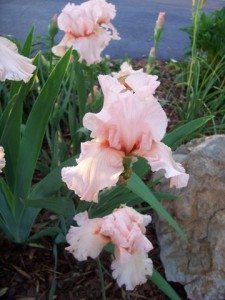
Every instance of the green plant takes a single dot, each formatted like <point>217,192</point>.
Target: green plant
<point>22,148</point>
<point>50,109</point>
<point>202,76</point>
<point>210,36</point>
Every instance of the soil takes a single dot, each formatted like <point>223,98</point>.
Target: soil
<point>27,272</point>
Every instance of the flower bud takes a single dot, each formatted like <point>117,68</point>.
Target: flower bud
<point>151,60</point>
<point>152,53</point>
<point>159,28</point>
<point>161,20</point>
<point>202,3</point>
<point>53,27</point>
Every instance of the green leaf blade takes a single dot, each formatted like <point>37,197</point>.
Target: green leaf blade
<point>163,285</point>
<point>59,205</point>
<point>176,136</point>
<point>51,183</point>
<point>36,126</point>
<point>137,186</point>
<point>10,125</point>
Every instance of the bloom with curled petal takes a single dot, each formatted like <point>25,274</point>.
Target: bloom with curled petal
<point>160,157</point>
<point>87,29</point>
<point>121,130</point>
<point>86,241</point>
<point>14,66</point>
<point>120,223</point>
<point>2,158</point>
<point>124,228</point>
<point>131,123</point>
<point>136,106</point>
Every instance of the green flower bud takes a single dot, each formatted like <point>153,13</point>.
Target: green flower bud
<point>53,27</point>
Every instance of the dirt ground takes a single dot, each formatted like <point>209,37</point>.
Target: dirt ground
<point>26,273</point>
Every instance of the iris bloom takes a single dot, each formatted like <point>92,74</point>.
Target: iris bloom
<point>87,29</point>
<point>131,123</point>
<point>14,66</point>
<point>125,228</point>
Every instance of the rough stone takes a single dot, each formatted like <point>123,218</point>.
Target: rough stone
<point>199,263</point>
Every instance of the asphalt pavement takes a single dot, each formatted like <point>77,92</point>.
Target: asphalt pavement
<point>135,21</point>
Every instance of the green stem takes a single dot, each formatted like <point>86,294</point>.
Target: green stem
<point>101,277</point>
<point>53,284</point>
<point>80,86</point>
<point>51,54</point>
<point>195,14</point>
<point>92,82</point>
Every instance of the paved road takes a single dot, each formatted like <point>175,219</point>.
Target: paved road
<point>135,21</point>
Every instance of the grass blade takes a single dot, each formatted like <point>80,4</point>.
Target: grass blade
<point>80,85</point>
<point>176,136</point>
<point>36,127</point>
<point>137,186</point>
<point>163,285</point>
<point>59,205</point>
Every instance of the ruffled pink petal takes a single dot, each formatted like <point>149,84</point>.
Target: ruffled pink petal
<point>109,86</point>
<point>91,47</point>
<point>131,269</point>
<point>76,20</point>
<point>125,70</point>
<point>141,220</point>
<point>98,167</point>
<point>121,129</point>
<point>107,11</point>
<point>141,81</point>
<point>180,180</point>
<point>64,19</point>
<point>81,218</point>
<point>66,43</point>
<point>137,80</point>
<point>117,226</point>
<point>8,44</point>
<point>14,66</point>
<point>96,122</point>
<point>124,226</point>
<point>86,241</point>
<point>137,240</point>
<point>160,157</point>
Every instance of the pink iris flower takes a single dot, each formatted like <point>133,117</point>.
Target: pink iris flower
<point>87,29</point>
<point>125,228</point>
<point>131,123</point>
<point>14,66</point>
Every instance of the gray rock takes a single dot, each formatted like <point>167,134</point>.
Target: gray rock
<point>199,263</point>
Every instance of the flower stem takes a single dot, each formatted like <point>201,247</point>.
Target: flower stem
<point>101,277</point>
